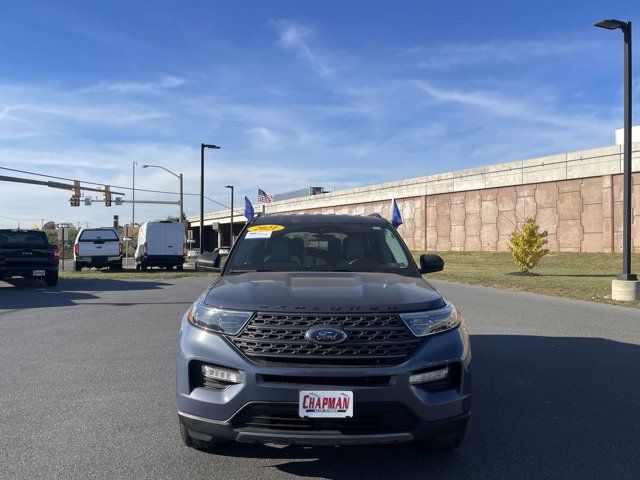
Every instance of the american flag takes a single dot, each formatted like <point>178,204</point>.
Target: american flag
<point>264,197</point>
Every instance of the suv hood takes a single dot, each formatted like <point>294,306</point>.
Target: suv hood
<point>323,292</point>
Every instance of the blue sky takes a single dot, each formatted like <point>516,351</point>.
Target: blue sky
<point>297,93</point>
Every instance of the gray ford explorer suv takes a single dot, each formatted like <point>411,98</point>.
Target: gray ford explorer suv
<point>321,330</point>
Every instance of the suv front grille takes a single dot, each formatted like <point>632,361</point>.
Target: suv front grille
<point>372,339</point>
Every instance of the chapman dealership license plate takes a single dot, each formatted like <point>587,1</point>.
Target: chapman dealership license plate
<point>325,404</point>
<point>38,273</point>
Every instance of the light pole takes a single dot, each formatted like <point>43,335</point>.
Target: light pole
<point>202,147</point>
<point>626,275</point>
<point>231,239</point>
<point>179,177</point>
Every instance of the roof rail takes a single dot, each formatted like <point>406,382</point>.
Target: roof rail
<point>377,215</point>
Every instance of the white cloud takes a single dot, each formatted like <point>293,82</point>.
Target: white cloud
<point>453,55</point>
<point>262,137</point>
<point>535,107</point>
<point>49,111</point>
<point>155,87</point>
<point>292,36</point>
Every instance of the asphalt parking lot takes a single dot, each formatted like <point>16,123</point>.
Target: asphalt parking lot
<point>87,391</point>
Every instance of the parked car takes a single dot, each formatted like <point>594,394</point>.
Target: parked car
<point>160,244</point>
<point>97,247</point>
<point>206,260</point>
<point>28,253</point>
<point>321,330</point>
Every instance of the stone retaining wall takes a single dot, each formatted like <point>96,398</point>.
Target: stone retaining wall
<point>582,215</point>
<point>577,198</point>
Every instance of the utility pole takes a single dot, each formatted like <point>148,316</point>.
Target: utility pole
<point>181,200</point>
<point>133,203</point>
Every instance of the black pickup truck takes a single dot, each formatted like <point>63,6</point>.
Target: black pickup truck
<point>28,253</point>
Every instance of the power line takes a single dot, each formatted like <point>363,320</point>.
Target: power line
<point>21,219</point>
<point>90,183</point>
<point>113,186</point>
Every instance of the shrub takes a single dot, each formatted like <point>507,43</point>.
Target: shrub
<point>527,246</point>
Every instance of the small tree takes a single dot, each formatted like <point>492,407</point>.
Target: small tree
<point>527,246</point>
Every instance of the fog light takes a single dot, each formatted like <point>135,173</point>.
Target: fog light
<point>430,376</point>
<point>222,374</point>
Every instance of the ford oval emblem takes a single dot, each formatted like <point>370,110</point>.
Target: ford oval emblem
<point>326,335</point>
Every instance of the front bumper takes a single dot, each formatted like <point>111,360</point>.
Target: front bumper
<point>206,429</point>
<point>210,414</point>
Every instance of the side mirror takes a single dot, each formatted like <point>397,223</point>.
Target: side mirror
<point>209,261</point>
<point>430,262</point>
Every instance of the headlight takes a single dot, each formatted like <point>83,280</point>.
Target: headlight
<point>216,319</point>
<point>432,321</point>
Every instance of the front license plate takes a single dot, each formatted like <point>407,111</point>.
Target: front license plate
<point>325,404</point>
<point>38,273</point>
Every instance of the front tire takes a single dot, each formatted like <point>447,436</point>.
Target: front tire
<point>51,278</point>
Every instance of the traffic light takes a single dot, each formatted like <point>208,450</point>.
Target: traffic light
<point>74,201</point>
<point>107,196</point>
<point>116,221</point>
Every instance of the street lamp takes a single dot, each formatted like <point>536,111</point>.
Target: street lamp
<point>626,275</point>
<point>202,147</point>
<point>179,177</point>
<point>231,240</point>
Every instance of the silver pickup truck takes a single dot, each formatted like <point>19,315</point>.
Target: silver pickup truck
<point>97,247</point>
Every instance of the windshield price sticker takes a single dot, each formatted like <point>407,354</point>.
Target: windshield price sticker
<point>325,404</point>
<point>265,228</point>
<point>257,235</point>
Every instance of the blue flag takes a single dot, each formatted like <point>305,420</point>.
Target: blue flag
<point>396,218</point>
<point>248,209</point>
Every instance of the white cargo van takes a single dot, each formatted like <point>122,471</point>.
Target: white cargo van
<point>160,244</point>
<point>97,247</point>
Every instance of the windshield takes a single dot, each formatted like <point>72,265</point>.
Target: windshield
<point>320,247</point>
<point>23,239</point>
<point>93,235</point>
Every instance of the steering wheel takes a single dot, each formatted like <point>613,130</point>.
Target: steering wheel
<point>364,262</point>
